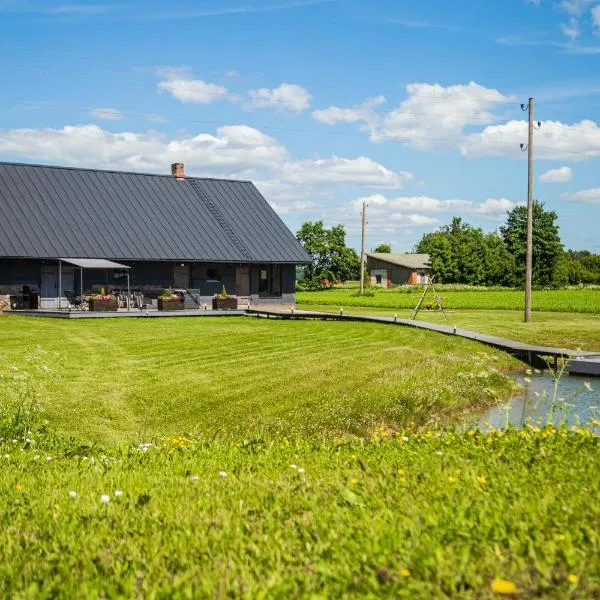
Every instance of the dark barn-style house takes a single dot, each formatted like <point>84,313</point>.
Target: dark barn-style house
<point>67,232</point>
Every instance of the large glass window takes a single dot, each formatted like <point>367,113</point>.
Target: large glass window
<point>269,281</point>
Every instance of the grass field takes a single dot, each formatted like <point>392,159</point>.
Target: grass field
<point>123,380</point>
<point>577,301</point>
<point>412,516</point>
<point>566,330</point>
<point>253,458</point>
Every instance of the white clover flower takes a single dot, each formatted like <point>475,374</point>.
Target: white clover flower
<point>93,460</point>
<point>301,470</point>
<point>48,458</point>
<point>293,467</point>
<point>194,478</point>
<point>118,493</point>
<point>72,494</point>
<point>14,441</point>
<point>440,453</point>
<point>587,385</point>
<point>36,457</point>
<point>527,379</point>
<point>105,499</point>
<point>404,438</point>
<point>222,474</point>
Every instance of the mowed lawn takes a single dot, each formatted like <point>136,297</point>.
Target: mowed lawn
<point>565,330</point>
<point>254,458</point>
<point>568,300</point>
<point>116,380</point>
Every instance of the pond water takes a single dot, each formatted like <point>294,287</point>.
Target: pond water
<point>576,400</point>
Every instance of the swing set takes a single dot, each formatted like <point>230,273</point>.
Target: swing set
<point>436,304</point>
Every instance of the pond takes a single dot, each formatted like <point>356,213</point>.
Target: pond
<point>576,400</point>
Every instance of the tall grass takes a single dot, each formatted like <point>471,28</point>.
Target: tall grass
<point>430,515</point>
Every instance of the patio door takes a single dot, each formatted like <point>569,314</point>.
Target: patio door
<point>181,277</point>
<point>49,287</point>
<point>242,281</point>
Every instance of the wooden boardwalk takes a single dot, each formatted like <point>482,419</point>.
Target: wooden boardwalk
<point>531,354</point>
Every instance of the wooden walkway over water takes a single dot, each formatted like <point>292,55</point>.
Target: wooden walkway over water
<point>587,363</point>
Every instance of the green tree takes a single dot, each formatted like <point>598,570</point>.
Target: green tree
<point>549,266</point>
<point>331,258</point>
<point>457,253</point>
<point>384,248</point>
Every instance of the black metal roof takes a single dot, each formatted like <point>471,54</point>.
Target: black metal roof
<point>63,212</point>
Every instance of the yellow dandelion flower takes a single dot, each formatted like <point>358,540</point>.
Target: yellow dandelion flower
<point>471,433</point>
<point>481,480</point>
<point>401,471</point>
<point>452,479</point>
<point>405,573</point>
<point>559,537</point>
<point>573,579</point>
<point>503,586</point>
<point>20,488</point>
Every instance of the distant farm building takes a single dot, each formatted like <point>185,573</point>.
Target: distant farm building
<point>388,269</point>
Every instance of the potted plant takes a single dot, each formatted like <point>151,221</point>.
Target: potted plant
<point>222,301</point>
<point>103,302</point>
<point>170,300</point>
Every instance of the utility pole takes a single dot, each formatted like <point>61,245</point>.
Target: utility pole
<point>362,248</point>
<point>529,250</point>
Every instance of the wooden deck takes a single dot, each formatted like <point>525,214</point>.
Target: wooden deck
<point>584,363</point>
<point>136,314</point>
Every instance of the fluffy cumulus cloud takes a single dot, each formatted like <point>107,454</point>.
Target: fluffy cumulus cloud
<point>338,170</point>
<point>362,112</point>
<point>180,83</point>
<point>231,147</point>
<point>591,196</point>
<point>288,96</point>
<point>106,114</point>
<point>560,175</point>
<point>492,208</point>
<point>431,114</point>
<point>554,141</point>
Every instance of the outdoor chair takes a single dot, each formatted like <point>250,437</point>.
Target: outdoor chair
<point>74,300</point>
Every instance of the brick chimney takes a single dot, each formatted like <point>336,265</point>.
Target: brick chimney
<point>178,171</point>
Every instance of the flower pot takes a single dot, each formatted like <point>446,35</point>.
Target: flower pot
<point>103,305</point>
<point>227,303</point>
<point>175,304</point>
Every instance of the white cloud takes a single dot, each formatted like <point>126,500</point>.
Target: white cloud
<point>492,208</point>
<point>179,82</point>
<point>430,115</point>
<point>362,112</point>
<point>554,141</point>
<point>433,112</point>
<point>596,16</point>
<point>571,29</point>
<point>288,96</point>
<point>591,196</point>
<point>414,220</point>
<point>337,170</point>
<point>232,147</point>
<point>560,175</point>
<point>107,114</point>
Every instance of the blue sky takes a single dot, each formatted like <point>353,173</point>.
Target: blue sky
<point>413,107</point>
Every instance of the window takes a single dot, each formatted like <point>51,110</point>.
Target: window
<point>212,273</point>
<point>269,281</point>
<point>378,279</point>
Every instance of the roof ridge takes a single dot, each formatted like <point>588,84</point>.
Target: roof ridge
<point>93,170</point>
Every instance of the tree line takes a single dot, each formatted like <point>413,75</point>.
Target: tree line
<point>464,254</point>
